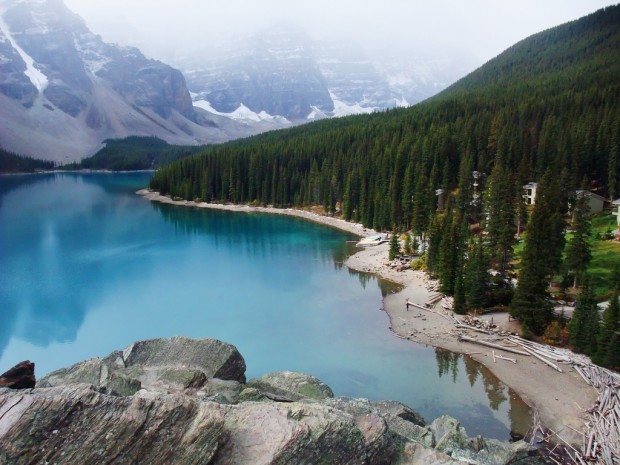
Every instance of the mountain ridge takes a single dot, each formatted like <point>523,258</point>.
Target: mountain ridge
<point>63,90</point>
<point>571,125</point>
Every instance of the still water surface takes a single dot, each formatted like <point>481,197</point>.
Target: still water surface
<point>87,267</point>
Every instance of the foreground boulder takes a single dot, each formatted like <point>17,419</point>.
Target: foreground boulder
<point>21,376</point>
<point>171,364</point>
<point>172,404</point>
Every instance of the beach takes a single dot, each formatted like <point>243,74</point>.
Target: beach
<point>560,400</point>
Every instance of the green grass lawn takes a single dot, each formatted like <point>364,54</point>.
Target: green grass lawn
<point>605,255</point>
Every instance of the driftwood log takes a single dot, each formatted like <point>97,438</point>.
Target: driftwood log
<point>462,337</point>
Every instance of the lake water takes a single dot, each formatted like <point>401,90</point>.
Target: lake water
<point>88,267</point>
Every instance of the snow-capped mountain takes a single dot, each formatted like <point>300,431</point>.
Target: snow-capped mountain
<point>63,90</point>
<point>283,73</point>
<point>355,84</point>
<point>274,73</point>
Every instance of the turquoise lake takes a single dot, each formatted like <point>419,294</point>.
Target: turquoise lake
<point>88,267</point>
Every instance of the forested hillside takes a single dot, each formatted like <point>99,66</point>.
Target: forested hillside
<point>563,114</point>
<point>13,163</point>
<point>135,153</point>
<point>550,104</point>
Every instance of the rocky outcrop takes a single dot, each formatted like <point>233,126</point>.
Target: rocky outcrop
<point>184,401</point>
<point>21,376</point>
<point>165,365</point>
<point>290,385</point>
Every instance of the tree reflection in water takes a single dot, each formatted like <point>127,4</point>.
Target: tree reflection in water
<point>448,363</point>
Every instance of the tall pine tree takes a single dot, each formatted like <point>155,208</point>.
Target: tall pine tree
<point>477,277</point>
<point>500,218</point>
<point>578,253</point>
<point>607,351</point>
<point>542,257</point>
<point>584,325</point>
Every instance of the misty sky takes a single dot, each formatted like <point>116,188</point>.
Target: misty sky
<point>478,28</point>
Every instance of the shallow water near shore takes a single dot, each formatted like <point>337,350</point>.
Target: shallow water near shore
<point>89,267</point>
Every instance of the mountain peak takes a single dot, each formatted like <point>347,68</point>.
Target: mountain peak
<point>60,79</point>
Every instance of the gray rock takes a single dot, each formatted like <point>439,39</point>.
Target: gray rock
<point>392,408</point>
<point>75,424</point>
<point>449,435</point>
<point>292,385</point>
<point>350,405</point>
<point>251,394</point>
<point>161,402</point>
<point>119,385</point>
<point>225,391</point>
<point>160,364</point>
<point>416,454</point>
<point>451,439</point>
<point>214,358</point>
<point>88,372</point>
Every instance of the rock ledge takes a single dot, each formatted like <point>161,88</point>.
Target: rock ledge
<point>185,401</point>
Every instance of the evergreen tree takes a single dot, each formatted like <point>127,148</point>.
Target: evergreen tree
<point>419,220</point>
<point>394,246</point>
<point>530,304</point>
<point>407,247</point>
<point>465,187</point>
<point>612,177</point>
<point>613,352</point>
<point>459,305</point>
<point>578,253</point>
<point>433,244</point>
<point>477,277</point>
<point>584,325</point>
<point>610,327</point>
<point>500,218</point>
<point>542,257</point>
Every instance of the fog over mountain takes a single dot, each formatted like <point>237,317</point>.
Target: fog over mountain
<point>240,55</point>
<point>478,29</point>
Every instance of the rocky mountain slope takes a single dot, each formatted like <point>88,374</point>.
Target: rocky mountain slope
<point>63,90</point>
<point>169,401</point>
<point>284,75</point>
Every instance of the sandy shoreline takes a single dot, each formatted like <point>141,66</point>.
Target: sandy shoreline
<point>353,228</point>
<point>560,399</point>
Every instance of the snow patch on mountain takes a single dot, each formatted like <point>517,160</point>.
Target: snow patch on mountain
<point>242,113</point>
<point>344,109</point>
<point>38,79</point>
<point>402,103</point>
<point>316,114</point>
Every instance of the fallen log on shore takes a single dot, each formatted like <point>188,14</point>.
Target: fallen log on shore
<point>490,344</point>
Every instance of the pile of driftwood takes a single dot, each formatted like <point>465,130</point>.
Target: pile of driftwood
<point>601,436</point>
<point>601,443</point>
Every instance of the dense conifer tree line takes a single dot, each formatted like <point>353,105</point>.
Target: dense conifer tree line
<point>134,153</point>
<point>13,163</point>
<point>546,110</point>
